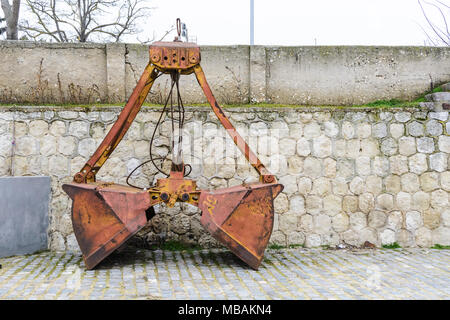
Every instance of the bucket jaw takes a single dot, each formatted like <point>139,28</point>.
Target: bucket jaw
<point>104,216</point>
<point>241,218</point>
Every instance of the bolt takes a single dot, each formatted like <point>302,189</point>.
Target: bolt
<point>164,196</point>
<point>185,197</point>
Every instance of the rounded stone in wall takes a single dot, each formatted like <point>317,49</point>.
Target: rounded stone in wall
<point>322,146</point>
<point>287,146</point>
<point>432,218</point>
<point>57,128</point>
<point>441,236</point>
<point>47,145</point>
<point>330,239</point>
<point>381,166</point>
<point>339,186</point>
<point>313,240</point>
<point>38,128</point>
<point>385,201</point>
<point>296,237</point>
<point>288,222</point>
<point>294,165</point>
<point>306,223</point>
<point>363,165</point>
<point>281,203</point>
<point>311,130</point>
<point>207,241</point>
<point>415,129</point>
<point>387,236</point>
<point>329,167</point>
<point>444,144</point>
<point>351,237</point>
<point>425,145</point>
<point>429,181</point>
<point>366,202</point>
<point>438,162</point>
<point>379,130</point>
<point>358,220</point>
<point>363,130</point>
<point>278,237</point>
<point>374,184</point>
<point>410,182</point>
<point>313,204</point>
<point>377,219</point>
<point>445,180</point>
<point>423,237</point>
<point>413,220</point>
<point>303,148</point>
<point>392,184</point>
<point>405,238</point>
<point>402,116</point>
<point>332,204</point>
<point>439,199</point>
<point>433,128</point>
<point>180,224</point>
<point>321,186</point>
<point>312,167</point>
<point>396,130</point>
<point>322,224</point>
<point>79,129</point>
<point>297,205</point>
<point>445,216</point>
<point>331,129</point>
<point>418,163</point>
<point>421,200</point>
<point>403,201</point>
<point>369,234</point>
<point>350,204</point>
<point>340,222</point>
<point>394,220</point>
<point>407,146</point>
<point>389,146</point>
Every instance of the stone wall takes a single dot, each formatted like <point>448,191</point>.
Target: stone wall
<point>350,175</point>
<point>314,75</point>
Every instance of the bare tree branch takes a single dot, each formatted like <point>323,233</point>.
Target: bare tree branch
<point>84,20</point>
<point>441,35</point>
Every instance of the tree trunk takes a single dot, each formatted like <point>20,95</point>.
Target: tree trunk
<point>12,18</point>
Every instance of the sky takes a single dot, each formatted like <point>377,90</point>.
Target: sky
<point>291,23</point>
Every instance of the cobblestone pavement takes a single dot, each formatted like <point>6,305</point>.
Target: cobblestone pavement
<point>217,274</point>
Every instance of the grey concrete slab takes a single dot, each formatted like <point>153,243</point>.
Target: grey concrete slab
<point>24,205</point>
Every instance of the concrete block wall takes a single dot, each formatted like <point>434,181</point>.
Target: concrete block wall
<point>33,72</point>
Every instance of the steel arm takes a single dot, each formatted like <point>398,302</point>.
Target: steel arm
<point>264,174</point>
<point>120,127</point>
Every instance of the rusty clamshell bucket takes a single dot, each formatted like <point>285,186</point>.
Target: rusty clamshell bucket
<point>106,215</point>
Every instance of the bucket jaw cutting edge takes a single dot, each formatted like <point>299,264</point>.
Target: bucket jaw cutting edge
<point>105,215</point>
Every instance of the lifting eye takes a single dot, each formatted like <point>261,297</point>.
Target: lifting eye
<point>165,58</point>
<point>183,58</point>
